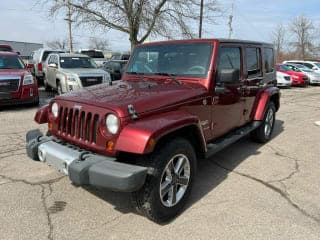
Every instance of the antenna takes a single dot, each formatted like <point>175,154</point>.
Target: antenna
<point>230,22</point>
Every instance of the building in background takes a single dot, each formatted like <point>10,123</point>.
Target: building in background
<point>24,48</point>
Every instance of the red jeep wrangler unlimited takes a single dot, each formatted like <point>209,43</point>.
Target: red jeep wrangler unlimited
<point>178,102</point>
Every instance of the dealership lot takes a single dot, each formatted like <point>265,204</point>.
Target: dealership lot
<point>247,191</point>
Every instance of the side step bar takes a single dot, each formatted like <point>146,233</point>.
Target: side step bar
<point>230,138</point>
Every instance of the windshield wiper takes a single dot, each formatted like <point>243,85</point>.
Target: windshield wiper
<point>171,75</point>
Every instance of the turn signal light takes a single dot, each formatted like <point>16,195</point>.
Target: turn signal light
<point>110,145</point>
<point>50,127</point>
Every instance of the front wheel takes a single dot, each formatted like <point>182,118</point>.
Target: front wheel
<point>263,133</point>
<point>166,191</point>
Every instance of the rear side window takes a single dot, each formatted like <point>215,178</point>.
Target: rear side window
<point>253,62</point>
<point>268,60</point>
<point>308,65</point>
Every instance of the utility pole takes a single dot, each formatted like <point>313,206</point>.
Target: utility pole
<point>201,16</point>
<point>230,22</point>
<point>69,20</point>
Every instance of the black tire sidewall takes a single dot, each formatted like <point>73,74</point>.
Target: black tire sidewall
<point>178,146</point>
<point>268,137</point>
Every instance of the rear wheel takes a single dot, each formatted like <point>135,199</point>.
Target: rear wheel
<point>166,191</point>
<point>263,133</point>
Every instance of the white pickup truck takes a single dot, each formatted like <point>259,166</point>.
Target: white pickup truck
<point>96,55</point>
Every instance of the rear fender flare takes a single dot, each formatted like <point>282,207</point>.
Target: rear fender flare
<point>140,137</point>
<point>262,101</point>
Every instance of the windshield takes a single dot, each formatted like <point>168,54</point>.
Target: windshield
<point>284,68</point>
<point>77,62</point>
<point>190,60</point>
<point>93,54</point>
<point>303,68</point>
<point>11,62</point>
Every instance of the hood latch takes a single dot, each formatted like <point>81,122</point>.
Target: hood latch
<point>132,112</point>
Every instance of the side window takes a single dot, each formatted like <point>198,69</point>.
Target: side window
<point>50,60</point>
<point>253,62</point>
<point>308,65</point>
<point>268,60</point>
<point>230,59</point>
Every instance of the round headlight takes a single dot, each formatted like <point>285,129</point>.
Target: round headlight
<point>112,123</point>
<point>55,109</point>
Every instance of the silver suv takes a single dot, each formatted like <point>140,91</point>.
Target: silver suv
<point>68,72</point>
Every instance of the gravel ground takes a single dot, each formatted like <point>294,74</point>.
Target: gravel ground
<point>247,191</point>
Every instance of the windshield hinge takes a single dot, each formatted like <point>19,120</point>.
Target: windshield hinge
<point>132,112</point>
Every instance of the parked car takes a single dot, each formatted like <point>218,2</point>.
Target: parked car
<point>39,60</point>
<point>283,79</point>
<point>96,55</point>
<point>314,78</point>
<point>5,48</point>
<point>145,133</point>
<point>120,56</point>
<point>68,72</point>
<point>115,68</point>
<point>17,85</point>
<point>315,66</point>
<point>297,78</point>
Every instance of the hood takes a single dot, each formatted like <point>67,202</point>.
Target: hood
<point>13,72</point>
<point>84,71</point>
<point>293,73</point>
<point>145,96</point>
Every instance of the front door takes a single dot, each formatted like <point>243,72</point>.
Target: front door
<point>228,100</point>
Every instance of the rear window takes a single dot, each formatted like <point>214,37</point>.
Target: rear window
<point>253,62</point>
<point>93,54</point>
<point>268,60</point>
<point>46,53</point>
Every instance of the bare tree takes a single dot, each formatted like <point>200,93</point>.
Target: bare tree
<point>57,44</point>
<point>302,29</point>
<point>101,44</point>
<point>141,18</point>
<point>279,39</point>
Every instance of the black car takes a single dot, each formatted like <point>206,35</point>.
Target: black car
<point>115,68</point>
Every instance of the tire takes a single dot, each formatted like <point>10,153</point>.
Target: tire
<point>264,132</point>
<point>59,88</point>
<point>47,88</point>
<point>161,206</point>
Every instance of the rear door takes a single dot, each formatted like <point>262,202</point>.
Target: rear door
<point>228,103</point>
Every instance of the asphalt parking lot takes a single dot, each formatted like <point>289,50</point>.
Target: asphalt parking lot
<point>247,191</point>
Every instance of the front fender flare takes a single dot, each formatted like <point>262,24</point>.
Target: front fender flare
<point>42,114</point>
<point>135,137</point>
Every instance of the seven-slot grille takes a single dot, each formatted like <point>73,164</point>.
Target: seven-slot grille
<point>79,124</point>
<point>9,85</point>
<point>90,80</point>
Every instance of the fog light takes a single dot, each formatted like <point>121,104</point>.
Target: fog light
<point>110,145</point>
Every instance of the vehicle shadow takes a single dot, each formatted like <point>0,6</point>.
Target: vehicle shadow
<point>209,175</point>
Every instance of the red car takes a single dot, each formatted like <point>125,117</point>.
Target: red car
<point>6,48</point>
<point>298,79</point>
<point>17,85</point>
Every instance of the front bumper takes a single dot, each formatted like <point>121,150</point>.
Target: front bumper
<point>83,167</point>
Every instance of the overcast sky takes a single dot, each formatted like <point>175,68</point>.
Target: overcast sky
<point>24,20</point>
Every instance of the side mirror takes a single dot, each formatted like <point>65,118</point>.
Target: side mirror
<point>228,75</point>
<point>315,68</point>
<point>53,65</point>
